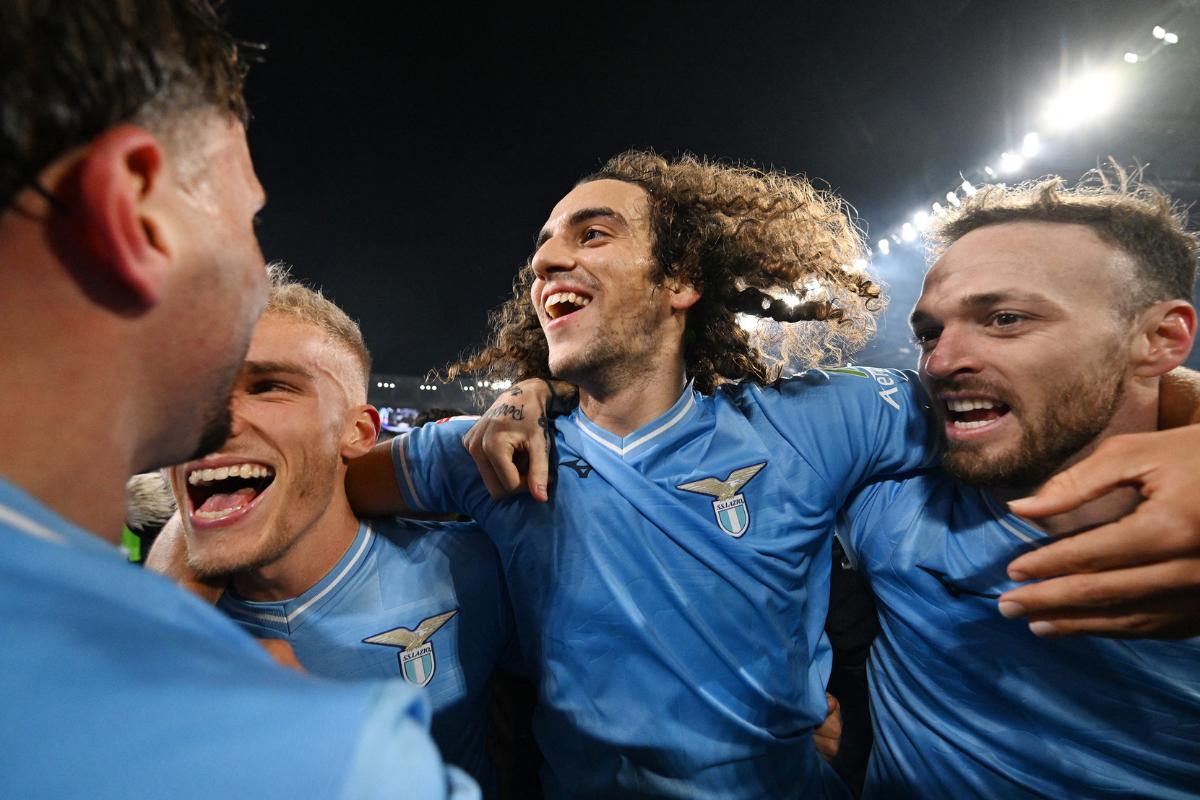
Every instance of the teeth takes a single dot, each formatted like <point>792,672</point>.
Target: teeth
<point>200,476</point>
<point>216,514</point>
<point>566,297</point>
<point>961,406</point>
<point>963,426</point>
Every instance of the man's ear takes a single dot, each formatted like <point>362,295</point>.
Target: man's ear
<point>361,433</point>
<point>113,221</point>
<point>683,295</point>
<point>1164,338</point>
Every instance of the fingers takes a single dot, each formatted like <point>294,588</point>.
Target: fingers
<point>827,737</point>
<point>1141,601</point>
<point>493,458</point>
<point>1117,461</point>
<point>539,472</point>
<point>1141,538</point>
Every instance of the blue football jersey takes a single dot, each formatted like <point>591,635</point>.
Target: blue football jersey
<point>117,684</point>
<point>671,596</point>
<point>968,704</point>
<point>414,601</point>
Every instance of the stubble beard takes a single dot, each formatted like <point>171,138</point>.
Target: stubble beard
<point>1080,412</point>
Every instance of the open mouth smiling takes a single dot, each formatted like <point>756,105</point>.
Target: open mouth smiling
<point>217,493</point>
<point>562,304</point>
<point>972,413</point>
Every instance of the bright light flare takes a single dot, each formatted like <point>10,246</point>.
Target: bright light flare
<point>860,264</point>
<point>1171,38</point>
<point>885,247</point>
<point>1132,58</point>
<point>953,200</point>
<point>1159,31</point>
<point>1031,144</point>
<point>907,232</point>
<point>967,188</point>
<point>920,220</point>
<point>1084,100</point>
<point>1010,162</point>
<point>990,172</point>
<point>748,322</point>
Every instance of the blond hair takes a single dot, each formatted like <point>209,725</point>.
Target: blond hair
<point>292,298</point>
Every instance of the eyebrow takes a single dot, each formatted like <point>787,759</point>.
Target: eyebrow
<point>585,215</point>
<point>275,368</point>
<point>985,300</point>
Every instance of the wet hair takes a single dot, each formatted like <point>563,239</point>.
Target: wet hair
<point>1122,210</point>
<point>71,70</point>
<point>752,241</point>
<point>291,298</point>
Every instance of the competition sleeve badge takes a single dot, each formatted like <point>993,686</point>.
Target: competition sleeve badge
<point>417,661</point>
<point>730,509</point>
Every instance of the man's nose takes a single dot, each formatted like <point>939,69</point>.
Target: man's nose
<point>553,256</point>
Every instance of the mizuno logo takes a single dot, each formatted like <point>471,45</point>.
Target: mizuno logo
<point>729,507</point>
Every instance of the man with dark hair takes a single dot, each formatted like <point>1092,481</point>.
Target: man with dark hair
<point>132,279</point>
<point>688,540</point>
<point>664,597</point>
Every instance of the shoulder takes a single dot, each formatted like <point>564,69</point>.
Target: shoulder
<point>460,543</point>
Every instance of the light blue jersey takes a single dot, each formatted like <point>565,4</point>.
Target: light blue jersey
<point>419,602</point>
<point>671,596</point>
<point>968,704</point>
<point>116,684</point>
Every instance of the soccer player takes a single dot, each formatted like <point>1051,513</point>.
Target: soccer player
<point>1044,327</point>
<point>687,540</point>
<point>267,512</point>
<point>132,279</point>
<point>664,596</point>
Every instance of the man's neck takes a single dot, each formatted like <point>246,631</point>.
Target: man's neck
<point>1138,414</point>
<point>623,408</point>
<point>312,555</point>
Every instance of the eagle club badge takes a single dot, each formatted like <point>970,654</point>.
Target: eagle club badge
<point>729,507</point>
<point>417,661</point>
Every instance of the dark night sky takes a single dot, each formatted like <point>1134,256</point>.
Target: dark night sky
<point>411,154</point>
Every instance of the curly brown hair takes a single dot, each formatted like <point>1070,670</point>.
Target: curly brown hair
<point>1123,212</point>
<point>747,239</point>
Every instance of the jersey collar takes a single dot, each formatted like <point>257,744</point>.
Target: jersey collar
<point>25,514</point>
<point>642,439</point>
<point>283,615</point>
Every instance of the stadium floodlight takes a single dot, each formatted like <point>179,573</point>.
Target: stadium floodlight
<point>1132,58</point>
<point>1010,162</point>
<point>938,208</point>
<point>885,247</point>
<point>991,173</point>
<point>1083,100</point>
<point>921,220</point>
<point>907,232</point>
<point>967,188</point>
<point>953,200</point>
<point>1159,31</point>
<point>1031,144</point>
<point>1171,38</point>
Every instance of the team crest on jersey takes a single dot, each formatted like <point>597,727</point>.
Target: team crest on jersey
<point>729,507</point>
<point>416,656</point>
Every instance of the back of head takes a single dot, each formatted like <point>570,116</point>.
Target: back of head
<point>291,298</point>
<point>755,242</point>
<point>71,70</point>
<point>1123,212</point>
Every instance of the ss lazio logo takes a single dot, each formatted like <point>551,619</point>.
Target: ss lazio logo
<point>417,662</point>
<point>730,509</point>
